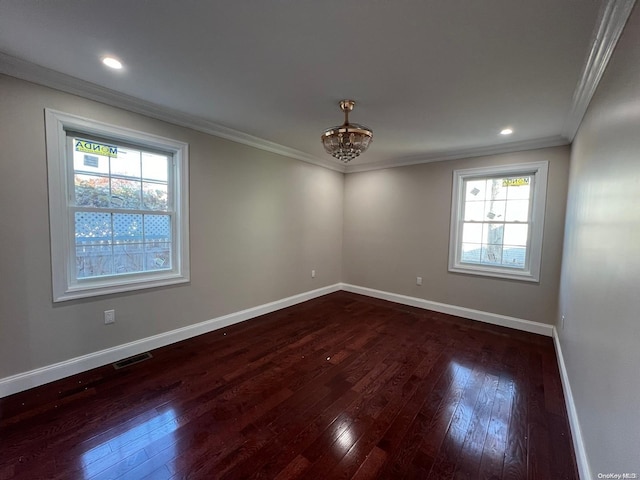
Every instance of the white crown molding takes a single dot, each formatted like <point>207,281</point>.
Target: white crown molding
<point>458,154</point>
<point>611,21</point>
<point>31,72</point>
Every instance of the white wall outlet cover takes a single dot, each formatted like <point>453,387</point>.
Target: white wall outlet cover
<point>109,317</point>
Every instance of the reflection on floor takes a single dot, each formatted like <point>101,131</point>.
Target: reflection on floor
<point>343,386</point>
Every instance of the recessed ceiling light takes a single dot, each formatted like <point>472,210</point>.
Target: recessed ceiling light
<point>506,131</point>
<point>112,63</point>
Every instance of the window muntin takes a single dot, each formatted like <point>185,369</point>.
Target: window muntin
<point>497,221</point>
<point>122,215</point>
<point>118,208</point>
<point>496,218</point>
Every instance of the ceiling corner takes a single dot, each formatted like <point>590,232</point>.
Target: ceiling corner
<point>37,74</point>
<point>612,18</point>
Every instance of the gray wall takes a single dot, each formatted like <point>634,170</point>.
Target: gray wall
<point>259,223</point>
<point>397,228</point>
<point>600,286</point>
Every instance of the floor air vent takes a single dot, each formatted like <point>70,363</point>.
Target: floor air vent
<point>131,360</point>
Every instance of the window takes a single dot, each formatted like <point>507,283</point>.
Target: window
<point>497,219</point>
<point>118,206</point>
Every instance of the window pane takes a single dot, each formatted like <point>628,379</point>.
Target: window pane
<point>471,253</point>
<point>472,233</point>
<point>157,228</point>
<point>90,163</point>
<point>475,189</point>
<point>516,234</point>
<point>155,167</point>
<point>493,233</point>
<point>92,228</point>
<point>127,163</point>
<point>496,189</point>
<point>93,261</point>
<point>474,211</point>
<point>158,256</point>
<point>141,243</point>
<point>494,210</point>
<point>491,254</point>
<point>517,211</point>
<point>519,192</point>
<point>125,193</point>
<point>91,190</point>
<point>128,258</point>
<point>514,256</point>
<point>127,228</point>
<point>154,196</point>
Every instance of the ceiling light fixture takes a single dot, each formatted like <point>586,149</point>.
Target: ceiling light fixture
<point>347,141</point>
<point>506,131</point>
<point>112,63</point>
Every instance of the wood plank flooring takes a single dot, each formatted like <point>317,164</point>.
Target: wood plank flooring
<point>340,387</point>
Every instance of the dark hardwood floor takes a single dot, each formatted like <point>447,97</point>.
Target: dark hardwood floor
<point>340,387</point>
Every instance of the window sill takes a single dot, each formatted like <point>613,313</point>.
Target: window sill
<point>95,289</point>
<point>486,271</point>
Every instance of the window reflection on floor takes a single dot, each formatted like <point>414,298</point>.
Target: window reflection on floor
<point>133,443</point>
<point>345,441</point>
<point>479,419</point>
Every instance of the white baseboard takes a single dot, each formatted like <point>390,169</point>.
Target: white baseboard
<point>526,325</point>
<point>576,433</point>
<point>493,318</point>
<point>40,376</point>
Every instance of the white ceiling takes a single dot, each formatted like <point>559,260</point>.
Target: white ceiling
<point>433,79</point>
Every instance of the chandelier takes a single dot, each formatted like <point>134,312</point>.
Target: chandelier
<point>347,141</point>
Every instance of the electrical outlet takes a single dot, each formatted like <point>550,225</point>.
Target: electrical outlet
<point>313,274</point>
<point>418,280</point>
<point>109,317</point>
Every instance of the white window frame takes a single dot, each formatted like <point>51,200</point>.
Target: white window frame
<point>531,270</point>
<point>61,196</point>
